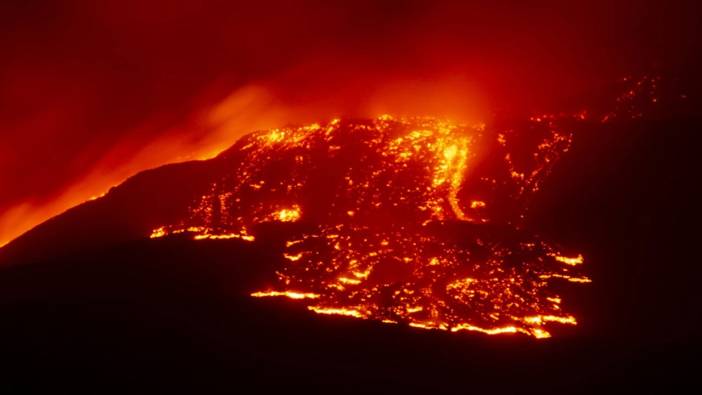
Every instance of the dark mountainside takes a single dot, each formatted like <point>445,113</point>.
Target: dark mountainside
<point>87,297</point>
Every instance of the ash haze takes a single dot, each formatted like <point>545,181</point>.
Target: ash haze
<point>91,94</point>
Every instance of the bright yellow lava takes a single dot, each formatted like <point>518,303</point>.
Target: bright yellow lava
<point>288,215</point>
<point>568,260</point>
<point>288,294</point>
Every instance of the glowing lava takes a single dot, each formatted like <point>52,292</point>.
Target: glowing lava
<point>400,221</point>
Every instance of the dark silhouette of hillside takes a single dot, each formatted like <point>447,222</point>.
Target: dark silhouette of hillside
<point>87,298</point>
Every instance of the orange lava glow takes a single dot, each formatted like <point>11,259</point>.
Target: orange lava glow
<point>399,221</point>
<point>288,294</point>
<point>248,107</point>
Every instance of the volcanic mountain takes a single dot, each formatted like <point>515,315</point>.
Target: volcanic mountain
<point>406,234</point>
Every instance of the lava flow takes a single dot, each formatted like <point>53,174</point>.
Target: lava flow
<point>412,220</point>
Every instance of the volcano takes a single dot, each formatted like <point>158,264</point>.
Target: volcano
<point>392,220</point>
<point>414,239</point>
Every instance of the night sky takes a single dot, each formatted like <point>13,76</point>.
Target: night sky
<point>92,93</point>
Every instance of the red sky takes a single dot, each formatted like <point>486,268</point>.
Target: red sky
<point>93,92</point>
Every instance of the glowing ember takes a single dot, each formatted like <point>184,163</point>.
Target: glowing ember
<point>402,223</point>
